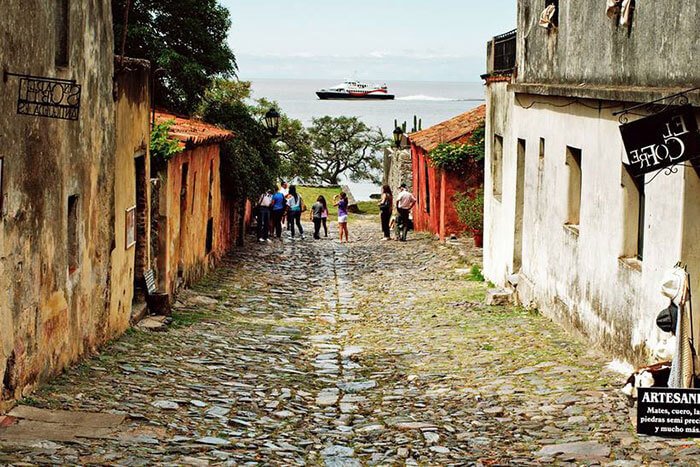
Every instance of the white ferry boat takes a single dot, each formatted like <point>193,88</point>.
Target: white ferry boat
<point>355,90</point>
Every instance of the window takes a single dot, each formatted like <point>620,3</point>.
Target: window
<point>183,186</point>
<point>573,162</point>
<point>61,31</point>
<point>427,188</point>
<point>497,166</point>
<point>73,244</point>
<point>633,216</point>
<point>555,18</point>
<point>210,235</point>
<point>519,205</point>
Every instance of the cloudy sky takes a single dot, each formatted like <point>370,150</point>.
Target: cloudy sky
<point>414,40</point>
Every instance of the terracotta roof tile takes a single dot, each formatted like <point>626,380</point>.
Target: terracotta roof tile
<point>454,130</point>
<point>193,132</point>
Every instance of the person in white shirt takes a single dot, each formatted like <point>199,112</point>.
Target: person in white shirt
<point>264,209</point>
<point>404,203</point>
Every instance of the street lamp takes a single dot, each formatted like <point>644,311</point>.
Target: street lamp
<point>398,134</point>
<point>272,121</point>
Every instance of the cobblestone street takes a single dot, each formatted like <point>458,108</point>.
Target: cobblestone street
<point>320,353</point>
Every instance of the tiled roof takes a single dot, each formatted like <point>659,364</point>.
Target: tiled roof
<point>454,130</point>
<point>192,132</point>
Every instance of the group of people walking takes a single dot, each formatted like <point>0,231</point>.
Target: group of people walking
<point>286,204</point>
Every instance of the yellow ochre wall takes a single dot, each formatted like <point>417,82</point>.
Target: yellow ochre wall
<point>132,137</point>
<point>182,240</point>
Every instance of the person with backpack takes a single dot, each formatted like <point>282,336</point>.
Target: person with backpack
<point>264,207</point>
<point>386,206</point>
<point>317,211</point>
<point>295,204</point>
<point>279,205</point>
<point>324,215</point>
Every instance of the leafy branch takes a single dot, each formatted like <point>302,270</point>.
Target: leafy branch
<point>454,156</point>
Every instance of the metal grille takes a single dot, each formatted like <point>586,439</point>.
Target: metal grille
<point>504,51</point>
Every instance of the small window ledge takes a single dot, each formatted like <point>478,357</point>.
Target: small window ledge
<point>631,262</point>
<point>572,229</point>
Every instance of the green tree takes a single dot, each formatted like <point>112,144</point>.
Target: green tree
<point>249,162</point>
<point>344,145</point>
<point>292,144</point>
<point>186,38</point>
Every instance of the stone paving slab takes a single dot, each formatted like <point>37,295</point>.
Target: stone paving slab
<point>373,353</point>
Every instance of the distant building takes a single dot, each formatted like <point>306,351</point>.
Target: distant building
<point>195,221</point>
<point>434,188</point>
<point>589,240</point>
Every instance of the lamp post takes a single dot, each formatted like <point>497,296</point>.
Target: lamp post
<point>398,135</point>
<point>272,121</point>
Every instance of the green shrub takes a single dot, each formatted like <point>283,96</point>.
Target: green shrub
<point>163,147</point>
<point>470,210</point>
<point>454,156</point>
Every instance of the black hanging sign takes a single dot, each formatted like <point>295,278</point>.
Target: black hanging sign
<point>673,413</point>
<point>48,97</point>
<point>661,140</point>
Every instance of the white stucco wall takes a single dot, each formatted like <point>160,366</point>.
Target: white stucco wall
<point>499,215</point>
<point>580,280</point>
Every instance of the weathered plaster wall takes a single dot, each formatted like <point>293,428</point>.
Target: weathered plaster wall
<point>579,279</point>
<point>183,239</point>
<point>49,317</point>
<point>499,214</point>
<point>133,134</point>
<point>660,49</point>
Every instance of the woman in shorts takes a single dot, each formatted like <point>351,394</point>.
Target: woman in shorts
<point>341,200</point>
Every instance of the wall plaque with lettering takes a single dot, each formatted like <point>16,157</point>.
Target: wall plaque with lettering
<point>668,412</point>
<point>661,140</point>
<point>48,97</point>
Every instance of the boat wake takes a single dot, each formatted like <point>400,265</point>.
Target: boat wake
<point>421,97</point>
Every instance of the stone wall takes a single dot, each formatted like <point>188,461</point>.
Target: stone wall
<point>398,169</point>
<point>56,231</point>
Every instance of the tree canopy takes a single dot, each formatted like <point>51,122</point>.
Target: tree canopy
<point>249,162</point>
<point>186,38</point>
<point>344,145</point>
<point>292,143</point>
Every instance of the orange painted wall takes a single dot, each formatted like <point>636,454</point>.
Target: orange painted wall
<point>183,257</point>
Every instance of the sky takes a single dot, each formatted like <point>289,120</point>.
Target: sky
<point>410,40</point>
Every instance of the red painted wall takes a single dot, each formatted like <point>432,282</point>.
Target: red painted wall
<point>439,188</point>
